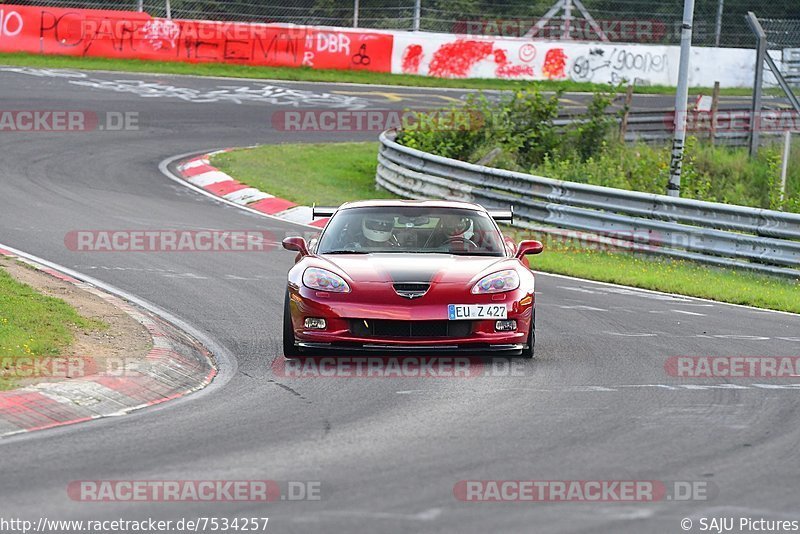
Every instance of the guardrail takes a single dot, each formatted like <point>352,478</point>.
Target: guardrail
<point>720,234</point>
<point>731,125</point>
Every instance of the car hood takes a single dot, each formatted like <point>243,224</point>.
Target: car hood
<point>400,268</point>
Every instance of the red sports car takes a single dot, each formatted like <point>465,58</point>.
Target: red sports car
<point>409,276</point>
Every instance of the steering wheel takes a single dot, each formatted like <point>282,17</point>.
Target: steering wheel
<point>467,243</point>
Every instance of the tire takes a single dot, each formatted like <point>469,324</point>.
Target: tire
<point>289,348</point>
<point>528,352</point>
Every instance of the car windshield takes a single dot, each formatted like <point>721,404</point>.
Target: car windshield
<point>403,229</point>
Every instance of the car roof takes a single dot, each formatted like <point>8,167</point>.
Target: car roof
<point>412,203</point>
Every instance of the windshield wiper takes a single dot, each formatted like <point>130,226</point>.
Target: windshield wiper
<point>345,252</point>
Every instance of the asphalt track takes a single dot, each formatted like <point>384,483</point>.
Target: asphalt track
<point>596,404</point>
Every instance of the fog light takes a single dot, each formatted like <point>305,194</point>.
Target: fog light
<point>505,326</point>
<point>315,323</point>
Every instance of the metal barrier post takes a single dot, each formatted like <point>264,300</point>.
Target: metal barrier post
<point>714,109</point>
<point>623,126</point>
<point>787,149</point>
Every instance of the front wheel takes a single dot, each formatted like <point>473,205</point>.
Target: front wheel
<point>527,352</point>
<point>290,350</point>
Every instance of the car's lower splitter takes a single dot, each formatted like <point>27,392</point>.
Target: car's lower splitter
<point>399,348</point>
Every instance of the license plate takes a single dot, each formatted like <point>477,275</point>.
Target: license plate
<point>459,312</point>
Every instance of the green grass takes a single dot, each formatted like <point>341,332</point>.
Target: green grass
<point>228,70</point>
<point>335,173</point>
<point>328,174</point>
<point>711,173</point>
<point>33,324</point>
<point>671,276</point>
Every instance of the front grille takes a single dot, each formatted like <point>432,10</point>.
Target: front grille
<point>411,290</point>
<point>411,287</point>
<point>409,329</point>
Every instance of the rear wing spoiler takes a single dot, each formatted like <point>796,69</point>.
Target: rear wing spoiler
<point>322,211</point>
<point>498,215</point>
<point>503,215</point>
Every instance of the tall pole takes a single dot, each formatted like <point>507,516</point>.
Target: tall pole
<point>718,29</point>
<point>758,81</point>
<point>681,102</point>
<point>417,14</point>
<point>355,14</point>
<point>169,10</point>
<point>140,6</point>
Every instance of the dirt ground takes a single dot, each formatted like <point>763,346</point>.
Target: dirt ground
<point>125,340</point>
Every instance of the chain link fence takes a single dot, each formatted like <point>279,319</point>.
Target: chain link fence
<point>781,33</point>
<point>784,35</point>
<point>717,22</point>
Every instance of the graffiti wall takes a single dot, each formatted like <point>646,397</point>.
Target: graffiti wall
<point>80,32</point>
<point>123,34</point>
<point>442,55</point>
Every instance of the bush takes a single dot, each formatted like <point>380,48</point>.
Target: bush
<point>593,129</point>
<point>642,168</point>
<point>520,124</point>
<point>451,133</point>
<point>716,174</point>
<point>517,132</point>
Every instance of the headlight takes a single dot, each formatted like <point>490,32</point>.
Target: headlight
<point>323,280</point>
<point>497,282</point>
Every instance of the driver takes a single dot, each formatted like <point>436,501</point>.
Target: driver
<point>455,228</point>
<point>376,231</point>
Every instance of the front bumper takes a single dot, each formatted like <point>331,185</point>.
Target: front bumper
<point>340,310</point>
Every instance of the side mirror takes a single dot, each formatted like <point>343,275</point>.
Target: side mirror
<point>297,244</point>
<point>529,247</point>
